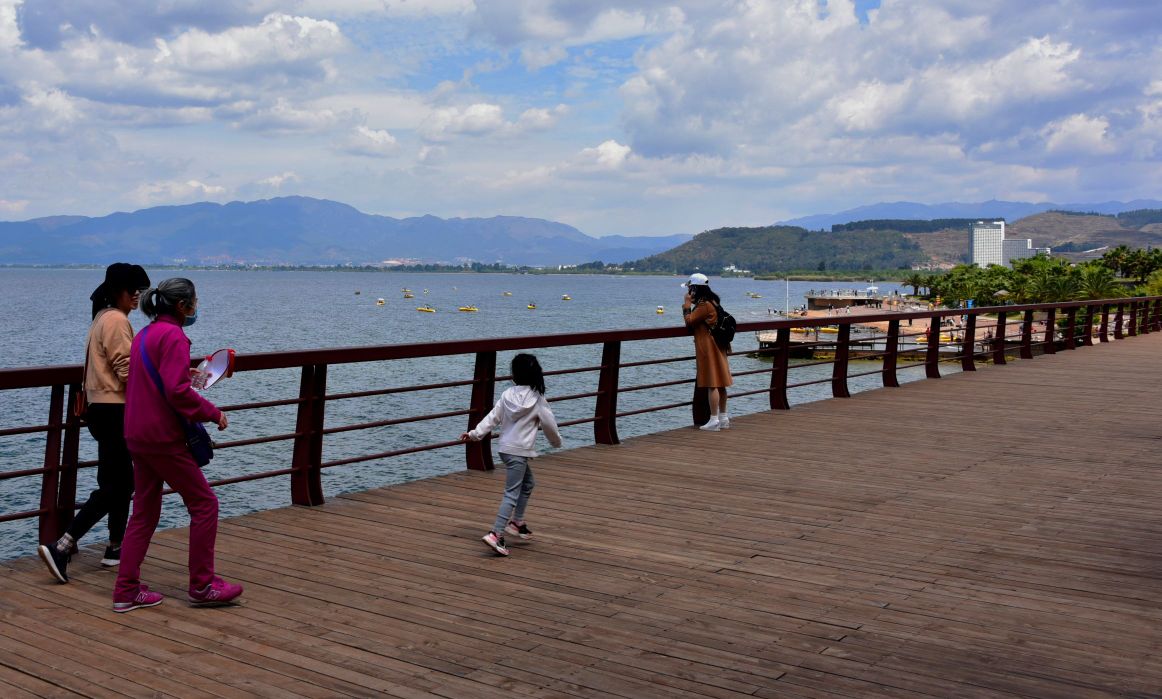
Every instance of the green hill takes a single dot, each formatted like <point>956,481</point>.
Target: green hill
<point>786,249</point>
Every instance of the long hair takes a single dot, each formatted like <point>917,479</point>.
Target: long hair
<point>702,292</point>
<point>165,298</point>
<point>526,371</point>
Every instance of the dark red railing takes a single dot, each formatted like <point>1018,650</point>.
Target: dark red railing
<point>1081,322</point>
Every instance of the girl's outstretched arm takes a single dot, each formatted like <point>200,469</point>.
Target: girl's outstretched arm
<point>488,423</point>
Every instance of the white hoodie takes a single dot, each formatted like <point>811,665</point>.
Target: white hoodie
<point>519,412</point>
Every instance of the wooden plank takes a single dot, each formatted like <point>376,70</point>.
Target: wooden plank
<point>847,548</point>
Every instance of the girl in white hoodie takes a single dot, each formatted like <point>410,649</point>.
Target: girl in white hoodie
<point>520,410</point>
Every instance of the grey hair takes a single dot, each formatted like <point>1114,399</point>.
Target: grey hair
<point>164,299</point>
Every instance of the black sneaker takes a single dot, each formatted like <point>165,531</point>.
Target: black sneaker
<point>112,557</point>
<point>496,543</point>
<point>56,562</point>
<point>522,530</point>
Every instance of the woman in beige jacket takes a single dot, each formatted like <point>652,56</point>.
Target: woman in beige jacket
<point>700,311</point>
<point>106,371</point>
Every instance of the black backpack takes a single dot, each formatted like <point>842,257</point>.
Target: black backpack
<point>723,331</point>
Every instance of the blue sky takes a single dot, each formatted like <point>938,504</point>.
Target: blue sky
<point>639,118</point>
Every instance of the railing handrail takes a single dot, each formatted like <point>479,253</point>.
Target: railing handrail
<point>32,377</point>
<point>1130,316</point>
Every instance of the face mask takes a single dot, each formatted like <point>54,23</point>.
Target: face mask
<point>190,319</point>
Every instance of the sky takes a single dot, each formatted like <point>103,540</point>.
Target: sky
<point>640,117</point>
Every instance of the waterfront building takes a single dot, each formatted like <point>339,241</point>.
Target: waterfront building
<point>986,243</point>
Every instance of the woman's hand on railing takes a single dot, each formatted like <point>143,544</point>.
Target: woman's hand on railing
<point>465,437</point>
<point>222,422</point>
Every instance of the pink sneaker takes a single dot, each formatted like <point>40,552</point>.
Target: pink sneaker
<point>215,594</point>
<point>144,598</point>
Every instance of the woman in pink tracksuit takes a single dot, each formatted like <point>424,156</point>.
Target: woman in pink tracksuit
<point>157,441</point>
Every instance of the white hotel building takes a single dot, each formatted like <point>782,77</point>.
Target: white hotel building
<point>987,245</point>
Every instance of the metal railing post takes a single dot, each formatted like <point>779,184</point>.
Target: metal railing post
<point>478,455</point>
<point>839,369</point>
<point>932,358</point>
<point>605,410</point>
<point>891,354</point>
<point>1027,336</point>
<point>52,524</point>
<point>307,479</point>
<point>66,497</point>
<point>968,344</point>
<point>999,333</point>
<point>1051,331</point>
<point>782,362</point>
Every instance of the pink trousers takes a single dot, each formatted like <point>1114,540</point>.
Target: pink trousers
<point>150,473</point>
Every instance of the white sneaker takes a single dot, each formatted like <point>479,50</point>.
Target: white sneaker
<point>711,426</point>
<point>724,423</point>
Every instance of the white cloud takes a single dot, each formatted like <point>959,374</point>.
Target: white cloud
<point>276,182</point>
<point>282,117</point>
<point>1079,133</point>
<point>279,40</point>
<point>9,28</point>
<point>13,206</point>
<point>374,143</point>
<point>154,193</point>
<point>610,155</point>
<point>540,119</point>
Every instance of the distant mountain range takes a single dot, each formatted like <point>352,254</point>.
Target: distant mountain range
<point>1008,210</point>
<point>306,231</point>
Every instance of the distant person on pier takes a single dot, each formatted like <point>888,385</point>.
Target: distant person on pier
<point>700,311</point>
<point>520,411</point>
<point>106,370</point>
<point>158,399</point>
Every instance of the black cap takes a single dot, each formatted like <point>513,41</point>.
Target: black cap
<point>121,276</point>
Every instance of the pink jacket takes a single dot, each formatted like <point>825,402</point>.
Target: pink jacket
<point>150,423</point>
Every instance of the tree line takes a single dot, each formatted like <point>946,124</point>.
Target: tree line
<point>1120,272</point>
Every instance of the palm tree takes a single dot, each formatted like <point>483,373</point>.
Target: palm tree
<point>1116,259</point>
<point>914,280</point>
<point>1096,281</point>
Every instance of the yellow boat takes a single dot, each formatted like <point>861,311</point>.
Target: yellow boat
<point>406,290</point>
<point>379,302</point>
<point>425,309</point>
<point>661,310</point>
<point>469,309</point>
<point>532,306</point>
<point>566,297</point>
<point>829,330</point>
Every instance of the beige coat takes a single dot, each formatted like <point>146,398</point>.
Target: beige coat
<point>109,341</point>
<point>713,369</point>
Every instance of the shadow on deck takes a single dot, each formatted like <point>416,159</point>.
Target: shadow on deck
<point>994,534</point>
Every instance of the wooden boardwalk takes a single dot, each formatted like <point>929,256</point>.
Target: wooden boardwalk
<point>996,534</point>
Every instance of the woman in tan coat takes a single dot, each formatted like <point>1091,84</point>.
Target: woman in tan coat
<point>700,311</point>
<point>106,372</point>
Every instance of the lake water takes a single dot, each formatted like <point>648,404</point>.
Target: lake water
<point>45,314</point>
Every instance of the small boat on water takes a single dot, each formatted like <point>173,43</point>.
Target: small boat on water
<point>532,306</point>
<point>506,293</point>
<point>357,292</point>
<point>753,295</point>
<point>566,297</point>
<point>829,330</point>
<point>469,309</point>
<point>379,302</point>
<point>661,310</point>
<point>425,309</point>
<point>406,290</point>
<point>409,295</point>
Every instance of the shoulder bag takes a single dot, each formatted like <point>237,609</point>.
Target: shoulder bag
<point>197,439</point>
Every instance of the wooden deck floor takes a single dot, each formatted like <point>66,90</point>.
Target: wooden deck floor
<point>996,534</point>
